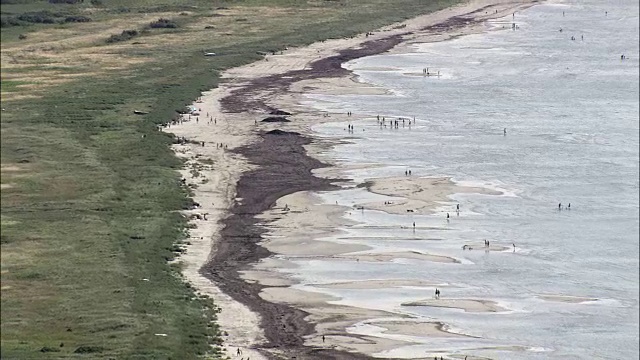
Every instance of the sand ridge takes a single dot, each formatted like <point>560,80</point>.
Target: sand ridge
<point>417,194</point>
<point>468,305</point>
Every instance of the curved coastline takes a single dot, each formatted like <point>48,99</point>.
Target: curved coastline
<point>267,166</point>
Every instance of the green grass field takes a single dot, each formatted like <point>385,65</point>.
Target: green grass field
<point>89,215</point>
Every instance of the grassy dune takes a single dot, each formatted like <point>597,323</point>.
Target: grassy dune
<point>89,218</point>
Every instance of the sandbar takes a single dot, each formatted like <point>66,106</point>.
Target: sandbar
<point>418,329</point>
<point>567,298</point>
<point>390,256</point>
<point>376,284</point>
<point>417,194</point>
<point>468,305</point>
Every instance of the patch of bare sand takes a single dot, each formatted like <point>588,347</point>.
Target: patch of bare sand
<point>418,329</point>
<point>354,343</point>
<point>418,195</point>
<point>390,256</point>
<point>6,186</point>
<point>338,86</point>
<point>567,298</point>
<point>290,295</point>
<point>215,196</point>
<point>266,278</point>
<point>468,305</point>
<point>375,284</point>
<point>14,96</point>
<point>11,168</point>
<point>333,320</point>
<point>298,220</point>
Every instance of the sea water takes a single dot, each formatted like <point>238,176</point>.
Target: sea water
<point>570,109</point>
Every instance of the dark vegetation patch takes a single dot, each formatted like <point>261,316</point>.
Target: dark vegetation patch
<point>41,17</point>
<point>278,132</point>
<point>163,24</point>
<point>123,36</point>
<point>66,1</point>
<point>275,119</point>
<point>279,112</point>
<point>46,349</point>
<point>88,349</point>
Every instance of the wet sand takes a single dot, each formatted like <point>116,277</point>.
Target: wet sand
<point>567,299</point>
<point>468,305</point>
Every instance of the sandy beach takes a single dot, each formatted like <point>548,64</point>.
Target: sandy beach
<point>254,185</point>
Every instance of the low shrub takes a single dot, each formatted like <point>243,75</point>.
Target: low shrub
<point>163,24</point>
<point>124,36</point>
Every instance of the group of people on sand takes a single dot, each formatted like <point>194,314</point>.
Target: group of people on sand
<point>395,123</point>
<point>426,72</point>
<point>487,245</point>
<point>568,207</point>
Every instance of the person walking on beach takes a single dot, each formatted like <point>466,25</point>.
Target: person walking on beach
<point>559,206</point>
<point>323,338</point>
<point>504,131</point>
<point>569,206</point>
<point>514,247</point>
<point>447,216</point>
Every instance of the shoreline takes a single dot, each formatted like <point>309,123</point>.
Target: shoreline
<point>258,160</point>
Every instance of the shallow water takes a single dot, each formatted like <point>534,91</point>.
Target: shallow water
<point>571,113</point>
